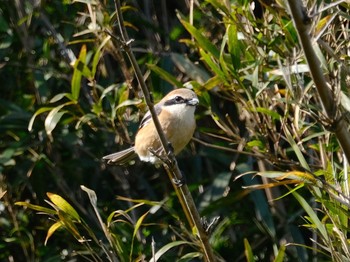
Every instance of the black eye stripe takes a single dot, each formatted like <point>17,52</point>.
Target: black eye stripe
<point>175,100</point>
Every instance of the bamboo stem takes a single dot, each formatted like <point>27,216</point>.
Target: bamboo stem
<point>172,168</point>
<point>327,94</point>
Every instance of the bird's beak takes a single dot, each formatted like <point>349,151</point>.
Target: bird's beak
<point>193,102</point>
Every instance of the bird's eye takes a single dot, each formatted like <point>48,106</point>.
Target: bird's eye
<point>178,99</point>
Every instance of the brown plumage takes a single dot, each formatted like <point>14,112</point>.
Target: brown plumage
<point>176,116</point>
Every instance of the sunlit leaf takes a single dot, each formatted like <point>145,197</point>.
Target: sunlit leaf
<point>68,223</point>
<point>293,175</point>
<point>38,112</point>
<point>54,117</point>
<point>166,248</point>
<point>280,255</point>
<point>203,42</point>
<point>256,143</point>
<point>78,72</point>
<point>271,185</point>
<point>37,208</point>
<point>323,23</point>
<point>2,193</point>
<point>52,230</point>
<point>58,97</point>
<point>139,201</point>
<point>98,55</point>
<point>63,205</point>
<point>248,251</point>
<point>212,82</point>
<point>212,64</point>
<point>190,256</point>
<point>345,101</point>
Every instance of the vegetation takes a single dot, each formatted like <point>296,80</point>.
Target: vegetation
<point>266,169</point>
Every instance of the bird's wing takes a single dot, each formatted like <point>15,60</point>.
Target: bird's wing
<point>147,117</point>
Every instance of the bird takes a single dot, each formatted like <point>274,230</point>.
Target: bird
<point>176,114</point>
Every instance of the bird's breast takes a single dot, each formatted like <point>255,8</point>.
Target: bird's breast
<point>178,129</point>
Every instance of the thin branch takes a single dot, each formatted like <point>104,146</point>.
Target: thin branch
<point>327,94</point>
<point>172,168</point>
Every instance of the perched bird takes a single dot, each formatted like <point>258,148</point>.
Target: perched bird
<point>176,116</point>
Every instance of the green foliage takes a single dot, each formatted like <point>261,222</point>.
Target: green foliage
<point>264,158</point>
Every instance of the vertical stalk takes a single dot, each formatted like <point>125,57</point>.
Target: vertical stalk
<point>327,95</point>
<point>172,168</point>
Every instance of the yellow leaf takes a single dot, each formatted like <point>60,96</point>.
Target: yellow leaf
<point>63,205</point>
<point>52,230</point>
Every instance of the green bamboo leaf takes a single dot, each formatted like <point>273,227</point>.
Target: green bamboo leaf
<point>167,247</point>
<point>52,230</point>
<point>58,97</point>
<point>37,208</point>
<point>38,112</point>
<point>75,84</point>
<point>190,257</point>
<point>129,103</point>
<point>54,117</point>
<point>136,229</point>
<point>203,41</point>
<point>234,45</point>
<point>225,64</point>
<point>68,223</point>
<point>117,214</point>
<point>63,205</point>
<point>303,177</point>
<point>97,56</point>
<point>273,114</point>
<point>256,143</point>
<point>189,68</point>
<point>213,66</point>
<point>165,75</point>
<point>219,5</point>
<point>139,223</point>
<point>248,251</point>
<point>212,83</point>
<point>280,254</point>
<point>140,201</point>
<point>84,119</point>
<point>107,90</point>
<point>296,149</point>
<point>313,216</point>
<point>78,72</point>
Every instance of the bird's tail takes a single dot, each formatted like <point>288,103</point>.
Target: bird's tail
<point>121,157</point>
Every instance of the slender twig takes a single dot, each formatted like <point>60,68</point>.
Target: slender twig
<point>172,167</point>
<point>327,94</point>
